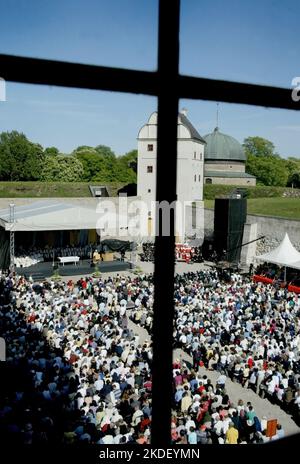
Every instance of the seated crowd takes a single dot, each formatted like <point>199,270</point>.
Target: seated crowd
<point>78,373</point>
<point>74,371</point>
<point>246,330</point>
<point>37,254</point>
<point>204,413</point>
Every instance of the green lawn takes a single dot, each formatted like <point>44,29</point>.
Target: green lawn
<point>52,189</point>
<point>281,207</point>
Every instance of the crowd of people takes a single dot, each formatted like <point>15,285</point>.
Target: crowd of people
<point>82,375</point>
<point>204,413</point>
<point>248,331</point>
<point>147,252</point>
<point>33,255</point>
<point>74,371</point>
<point>183,252</point>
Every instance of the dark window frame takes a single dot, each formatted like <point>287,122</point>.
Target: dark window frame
<point>156,83</point>
<point>149,169</point>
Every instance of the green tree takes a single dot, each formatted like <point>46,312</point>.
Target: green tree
<point>294,180</point>
<point>84,148</point>
<point>105,151</point>
<point>293,166</point>
<point>95,167</point>
<point>20,159</point>
<point>62,168</point>
<point>267,170</point>
<point>127,167</point>
<point>258,146</point>
<point>100,164</point>
<point>51,151</point>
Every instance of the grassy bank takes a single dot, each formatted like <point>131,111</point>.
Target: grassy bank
<point>281,207</point>
<point>52,189</point>
<point>260,191</point>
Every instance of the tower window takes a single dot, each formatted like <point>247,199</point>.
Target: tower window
<point>199,177</point>
<point>195,177</point>
<point>150,147</point>
<point>195,155</point>
<point>149,190</point>
<point>150,169</point>
<point>200,156</point>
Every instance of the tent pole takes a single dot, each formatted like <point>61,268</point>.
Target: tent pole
<point>12,237</point>
<point>284,273</point>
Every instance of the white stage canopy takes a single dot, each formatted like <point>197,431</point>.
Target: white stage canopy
<point>284,255</point>
<point>295,265</point>
<point>49,215</point>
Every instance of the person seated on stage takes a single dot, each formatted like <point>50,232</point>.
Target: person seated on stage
<point>96,256</point>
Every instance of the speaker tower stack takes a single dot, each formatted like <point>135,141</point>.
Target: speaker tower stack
<point>229,220</point>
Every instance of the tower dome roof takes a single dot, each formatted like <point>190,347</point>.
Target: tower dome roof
<point>222,147</point>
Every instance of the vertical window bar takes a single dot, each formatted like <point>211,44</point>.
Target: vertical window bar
<point>168,66</point>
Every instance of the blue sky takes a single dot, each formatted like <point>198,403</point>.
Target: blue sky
<point>254,41</point>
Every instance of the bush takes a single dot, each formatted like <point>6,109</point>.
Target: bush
<point>97,272</point>
<point>137,270</point>
<point>56,275</point>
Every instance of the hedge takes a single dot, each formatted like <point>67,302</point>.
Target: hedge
<point>214,191</point>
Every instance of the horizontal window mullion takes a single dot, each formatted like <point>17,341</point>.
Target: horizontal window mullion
<point>76,75</point>
<point>198,88</point>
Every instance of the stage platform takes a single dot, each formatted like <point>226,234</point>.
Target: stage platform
<point>43,270</point>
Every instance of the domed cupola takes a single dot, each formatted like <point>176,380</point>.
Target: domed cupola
<point>222,147</point>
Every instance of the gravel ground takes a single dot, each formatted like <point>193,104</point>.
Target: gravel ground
<point>147,268</point>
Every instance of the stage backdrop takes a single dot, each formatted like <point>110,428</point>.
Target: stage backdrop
<point>115,245</point>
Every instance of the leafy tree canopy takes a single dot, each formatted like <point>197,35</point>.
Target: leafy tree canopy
<point>258,146</point>
<point>52,151</point>
<point>267,170</point>
<point>294,180</point>
<point>63,168</point>
<point>20,159</point>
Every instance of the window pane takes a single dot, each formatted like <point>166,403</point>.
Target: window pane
<point>220,324</point>
<point>253,42</point>
<point>122,33</point>
<point>89,351</point>
<point>68,118</point>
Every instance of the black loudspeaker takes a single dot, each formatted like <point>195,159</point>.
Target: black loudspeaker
<point>207,248</point>
<point>230,217</point>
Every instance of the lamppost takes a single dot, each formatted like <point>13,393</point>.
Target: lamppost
<point>12,237</point>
